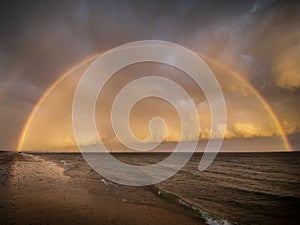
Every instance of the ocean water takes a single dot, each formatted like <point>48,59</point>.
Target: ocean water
<point>239,188</point>
<point>253,188</point>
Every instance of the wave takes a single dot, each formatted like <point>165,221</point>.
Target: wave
<point>209,218</point>
<point>249,185</point>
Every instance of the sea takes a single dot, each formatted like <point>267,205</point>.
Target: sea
<point>237,188</point>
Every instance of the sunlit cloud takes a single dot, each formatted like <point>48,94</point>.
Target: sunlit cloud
<point>259,40</point>
<point>287,68</point>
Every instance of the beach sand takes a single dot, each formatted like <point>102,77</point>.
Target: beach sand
<point>40,191</point>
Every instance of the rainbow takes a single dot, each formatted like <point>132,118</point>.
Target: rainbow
<point>44,96</point>
<point>262,100</point>
<point>225,68</point>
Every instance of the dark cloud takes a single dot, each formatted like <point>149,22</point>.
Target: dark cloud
<point>39,40</point>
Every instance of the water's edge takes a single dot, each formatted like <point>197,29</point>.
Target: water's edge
<point>175,199</point>
<point>167,196</point>
<point>248,188</point>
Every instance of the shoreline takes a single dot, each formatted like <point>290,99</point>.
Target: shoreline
<point>178,200</point>
<point>62,188</point>
<point>44,192</point>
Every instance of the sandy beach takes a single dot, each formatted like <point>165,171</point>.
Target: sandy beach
<point>40,191</point>
<point>237,189</point>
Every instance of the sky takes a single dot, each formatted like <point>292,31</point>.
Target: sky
<point>41,40</point>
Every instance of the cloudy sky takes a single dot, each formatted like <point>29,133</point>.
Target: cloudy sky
<point>260,40</point>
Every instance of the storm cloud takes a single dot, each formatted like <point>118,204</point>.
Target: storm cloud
<point>40,40</point>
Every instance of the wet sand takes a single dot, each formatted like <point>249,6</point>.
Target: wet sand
<point>40,191</point>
